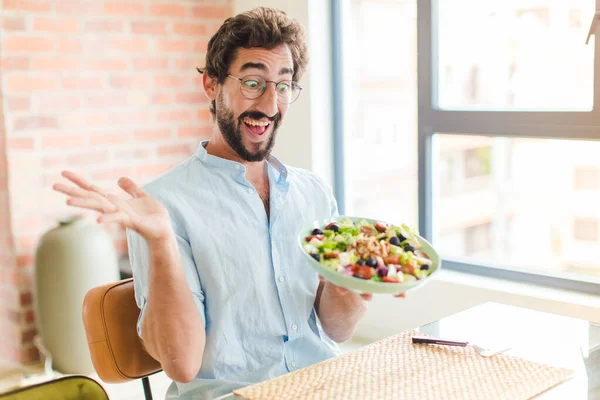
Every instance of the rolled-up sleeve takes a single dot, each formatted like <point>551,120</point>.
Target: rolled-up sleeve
<point>139,257</point>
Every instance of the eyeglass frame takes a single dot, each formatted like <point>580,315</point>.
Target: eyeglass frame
<point>241,80</point>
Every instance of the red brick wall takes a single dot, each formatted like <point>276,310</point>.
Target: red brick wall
<point>106,88</point>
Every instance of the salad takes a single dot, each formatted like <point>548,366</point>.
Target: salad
<point>379,252</point>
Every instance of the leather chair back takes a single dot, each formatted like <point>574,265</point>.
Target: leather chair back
<point>110,316</point>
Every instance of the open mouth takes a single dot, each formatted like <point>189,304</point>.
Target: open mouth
<point>256,127</point>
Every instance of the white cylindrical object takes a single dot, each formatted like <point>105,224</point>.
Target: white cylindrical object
<point>70,259</point>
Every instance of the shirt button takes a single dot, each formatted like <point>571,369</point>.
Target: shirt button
<point>294,327</point>
<point>249,190</point>
<point>281,279</point>
<point>237,166</point>
<point>293,364</point>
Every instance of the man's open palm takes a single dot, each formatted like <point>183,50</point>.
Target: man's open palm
<point>141,212</point>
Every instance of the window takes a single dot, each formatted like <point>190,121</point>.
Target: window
<point>497,132</point>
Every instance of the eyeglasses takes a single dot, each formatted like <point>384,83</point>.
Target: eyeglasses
<point>253,86</point>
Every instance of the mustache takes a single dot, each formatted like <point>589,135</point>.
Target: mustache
<point>257,115</point>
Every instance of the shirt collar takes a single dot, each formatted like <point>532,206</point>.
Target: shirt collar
<point>235,167</point>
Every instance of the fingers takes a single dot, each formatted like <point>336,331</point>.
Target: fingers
<point>92,203</point>
<point>74,191</point>
<point>403,295</point>
<point>131,188</point>
<point>119,216</point>
<point>367,296</point>
<point>82,183</point>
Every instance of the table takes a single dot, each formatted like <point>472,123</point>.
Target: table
<point>543,337</point>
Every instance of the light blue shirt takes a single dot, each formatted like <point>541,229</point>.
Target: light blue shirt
<point>250,281</point>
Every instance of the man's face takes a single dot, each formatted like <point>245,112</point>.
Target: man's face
<point>250,126</point>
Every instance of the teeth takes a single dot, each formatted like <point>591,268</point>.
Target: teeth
<point>256,123</point>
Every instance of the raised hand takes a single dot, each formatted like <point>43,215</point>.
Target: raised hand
<point>141,213</point>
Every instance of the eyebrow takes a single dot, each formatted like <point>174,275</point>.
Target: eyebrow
<point>263,67</point>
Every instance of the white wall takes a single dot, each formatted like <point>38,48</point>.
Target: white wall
<point>305,140</point>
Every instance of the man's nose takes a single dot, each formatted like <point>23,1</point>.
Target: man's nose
<point>267,102</point>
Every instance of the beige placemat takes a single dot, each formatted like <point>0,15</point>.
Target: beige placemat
<point>394,368</point>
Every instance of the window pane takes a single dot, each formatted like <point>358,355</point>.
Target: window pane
<point>515,55</point>
<point>380,96</point>
<point>518,202</point>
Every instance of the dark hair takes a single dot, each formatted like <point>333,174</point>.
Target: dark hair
<point>261,27</point>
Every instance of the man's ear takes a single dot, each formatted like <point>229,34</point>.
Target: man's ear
<point>210,86</point>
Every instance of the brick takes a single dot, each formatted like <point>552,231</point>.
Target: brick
<point>137,154</point>
<point>54,64</point>
<point>161,99</point>
<point>83,121</point>
<point>29,354</point>
<point>106,101</point>
<point>88,158</point>
<point>26,299</point>
<point>149,28</point>
<point>13,23</point>
<point>154,63</point>
<point>63,141</point>
<point>14,63</point>
<point>169,81</point>
<point>190,98</point>
<point>130,82</point>
<point>124,8</point>
<point>26,44</point>
<point>58,103</point>
<point>60,25</point>
<point>189,29</point>
<point>104,26</point>
<point>201,46</point>
<point>28,5</point>
<point>177,149</point>
<point>25,143</point>
<point>186,64</point>
<point>30,316</point>
<point>173,46</point>
<point>174,116</point>
<point>107,64</point>
<point>52,161</point>
<point>25,260</point>
<point>152,170</point>
<point>152,135</point>
<point>68,45</point>
<point>111,174</point>
<point>28,335</point>
<point>197,132</point>
<point>18,103</point>
<point>79,8</point>
<point>112,138</point>
<point>88,83</point>
<point>27,243</point>
<point>129,45</point>
<point>211,12</point>
<point>30,84</point>
<point>168,11</point>
<point>35,123</point>
<point>204,115</point>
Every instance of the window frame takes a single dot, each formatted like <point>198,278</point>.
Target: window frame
<point>530,124</point>
<point>431,120</point>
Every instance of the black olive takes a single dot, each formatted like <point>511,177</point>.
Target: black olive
<point>316,257</point>
<point>362,262</point>
<point>317,231</point>
<point>424,267</point>
<point>371,262</point>
<point>401,237</point>
<point>408,247</point>
<point>333,227</point>
<point>395,241</point>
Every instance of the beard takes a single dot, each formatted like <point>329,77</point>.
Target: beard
<point>232,132</point>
